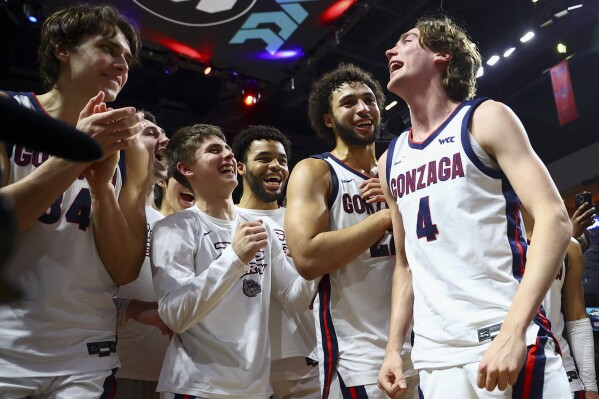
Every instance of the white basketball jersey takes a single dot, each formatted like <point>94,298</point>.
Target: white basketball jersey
<point>65,321</point>
<point>353,305</point>
<point>464,240</point>
<point>291,334</point>
<point>553,308</point>
<point>141,347</point>
<point>219,305</point>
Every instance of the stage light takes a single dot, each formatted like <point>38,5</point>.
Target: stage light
<point>250,96</point>
<point>207,70</point>
<point>561,48</point>
<point>509,51</point>
<point>33,12</point>
<point>529,35</point>
<point>391,105</point>
<point>480,72</point>
<point>493,60</point>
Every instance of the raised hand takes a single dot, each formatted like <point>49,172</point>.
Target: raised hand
<point>113,129</point>
<point>249,238</point>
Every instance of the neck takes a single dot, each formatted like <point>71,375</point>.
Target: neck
<point>250,201</point>
<point>61,105</point>
<point>222,209</point>
<point>359,157</point>
<point>429,109</point>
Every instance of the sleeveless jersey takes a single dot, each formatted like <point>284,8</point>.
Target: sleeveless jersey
<point>292,334</point>
<point>65,321</point>
<point>217,305</point>
<point>463,237</point>
<point>142,347</point>
<point>354,303</point>
<point>553,307</point>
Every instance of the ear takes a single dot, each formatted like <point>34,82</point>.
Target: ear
<point>61,52</point>
<point>184,169</point>
<point>241,168</point>
<point>443,57</point>
<point>162,183</point>
<point>328,120</point>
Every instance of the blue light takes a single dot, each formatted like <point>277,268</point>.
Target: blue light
<point>32,19</point>
<point>282,55</point>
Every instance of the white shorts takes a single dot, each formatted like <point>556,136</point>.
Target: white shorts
<point>338,390</point>
<point>92,385</point>
<point>542,377</point>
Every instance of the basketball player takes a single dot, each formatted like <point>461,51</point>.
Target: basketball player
<point>455,180</point>
<point>143,342</point>
<point>214,272</point>
<point>82,226</point>
<point>338,229</point>
<point>263,153</point>
<point>565,308</point>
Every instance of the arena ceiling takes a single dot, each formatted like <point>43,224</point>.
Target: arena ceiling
<point>280,46</point>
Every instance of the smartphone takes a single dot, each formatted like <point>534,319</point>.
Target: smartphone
<point>583,198</point>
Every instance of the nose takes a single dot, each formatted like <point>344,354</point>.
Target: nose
<point>363,107</point>
<point>274,164</point>
<point>163,140</point>
<point>121,64</point>
<point>390,53</point>
<point>228,153</point>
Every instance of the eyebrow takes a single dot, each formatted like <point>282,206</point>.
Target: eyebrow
<point>356,95</point>
<point>262,153</point>
<point>116,45</point>
<point>404,35</point>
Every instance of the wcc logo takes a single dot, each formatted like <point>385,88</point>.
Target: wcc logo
<point>197,12</point>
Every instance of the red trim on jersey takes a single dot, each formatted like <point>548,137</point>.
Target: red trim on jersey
<point>353,393</point>
<point>529,367</point>
<point>40,104</point>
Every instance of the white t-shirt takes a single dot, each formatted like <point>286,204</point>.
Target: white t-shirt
<point>217,305</point>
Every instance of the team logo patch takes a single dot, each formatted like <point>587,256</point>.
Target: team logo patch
<point>251,288</point>
<point>197,12</point>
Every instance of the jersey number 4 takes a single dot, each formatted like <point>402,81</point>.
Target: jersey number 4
<point>424,223</point>
<point>78,212</point>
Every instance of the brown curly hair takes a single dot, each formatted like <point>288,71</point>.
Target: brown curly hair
<point>321,95</point>
<point>443,34</point>
<point>68,26</point>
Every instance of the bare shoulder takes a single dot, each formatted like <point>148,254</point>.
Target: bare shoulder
<point>4,94</point>
<point>495,127</point>
<point>311,171</point>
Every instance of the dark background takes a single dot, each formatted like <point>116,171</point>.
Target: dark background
<point>361,34</point>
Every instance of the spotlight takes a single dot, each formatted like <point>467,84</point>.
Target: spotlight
<point>493,60</point>
<point>529,35</point>
<point>250,96</point>
<point>561,48</point>
<point>33,12</point>
<point>480,72</point>
<point>207,70</point>
<point>509,51</point>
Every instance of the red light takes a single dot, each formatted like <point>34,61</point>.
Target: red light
<point>250,96</point>
<point>335,11</point>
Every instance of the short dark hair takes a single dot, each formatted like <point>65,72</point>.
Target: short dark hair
<point>443,34</point>
<point>321,95</point>
<point>68,26</point>
<point>245,138</point>
<point>183,146</point>
<point>149,116</point>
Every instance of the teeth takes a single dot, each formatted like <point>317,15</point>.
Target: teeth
<point>226,169</point>
<point>394,66</point>
<point>273,178</point>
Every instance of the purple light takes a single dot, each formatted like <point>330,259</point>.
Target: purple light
<point>281,55</point>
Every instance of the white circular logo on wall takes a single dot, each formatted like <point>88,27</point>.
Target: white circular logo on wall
<point>197,12</point>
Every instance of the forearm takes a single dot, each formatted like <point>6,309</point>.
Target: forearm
<point>184,301</point>
<point>120,240</point>
<point>34,194</point>
<point>402,305</point>
<point>331,250</point>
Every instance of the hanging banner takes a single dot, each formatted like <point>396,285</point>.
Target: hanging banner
<point>563,93</point>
